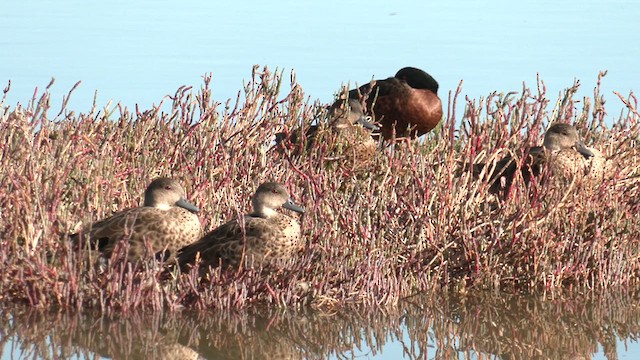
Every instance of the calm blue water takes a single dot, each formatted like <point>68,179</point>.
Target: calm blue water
<point>136,53</point>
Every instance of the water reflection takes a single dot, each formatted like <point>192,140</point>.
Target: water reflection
<point>440,327</point>
<point>519,327</point>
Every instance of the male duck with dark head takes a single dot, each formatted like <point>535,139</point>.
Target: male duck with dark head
<point>406,105</point>
<point>261,237</point>
<point>165,223</point>
<point>562,150</point>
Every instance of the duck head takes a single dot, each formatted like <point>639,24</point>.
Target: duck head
<point>165,193</point>
<point>271,196</point>
<point>561,136</point>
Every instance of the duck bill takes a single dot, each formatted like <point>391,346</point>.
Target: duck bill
<point>293,207</point>
<point>582,149</point>
<point>183,203</point>
<point>364,121</point>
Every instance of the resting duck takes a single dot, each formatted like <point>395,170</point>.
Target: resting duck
<point>163,224</point>
<point>406,104</point>
<point>257,238</point>
<point>562,150</point>
<point>345,119</point>
<point>347,136</point>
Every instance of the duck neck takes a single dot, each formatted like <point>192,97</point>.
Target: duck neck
<point>263,212</point>
<point>149,201</point>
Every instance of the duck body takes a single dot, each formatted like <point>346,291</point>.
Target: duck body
<point>503,173</point>
<point>348,136</point>
<point>255,238</point>
<point>406,105</point>
<point>562,152</point>
<point>165,223</point>
<point>345,120</point>
<point>261,237</point>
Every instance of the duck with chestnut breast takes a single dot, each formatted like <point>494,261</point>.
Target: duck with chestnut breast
<point>263,236</point>
<point>406,105</point>
<point>163,224</point>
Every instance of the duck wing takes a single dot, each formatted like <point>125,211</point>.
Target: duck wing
<point>507,167</point>
<point>380,88</point>
<point>225,244</point>
<point>97,235</point>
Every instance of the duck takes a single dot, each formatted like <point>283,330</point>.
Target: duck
<point>562,149</point>
<point>345,119</point>
<point>406,105</point>
<point>165,222</point>
<point>347,137</point>
<point>260,238</point>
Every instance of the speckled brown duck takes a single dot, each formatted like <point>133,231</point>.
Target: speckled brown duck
<point>349,128</point>
<point>562,151</point>
<point>406,105</point>
<point>263,236</point>
<point>165,223</point>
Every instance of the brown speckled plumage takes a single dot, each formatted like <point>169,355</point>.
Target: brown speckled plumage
<point>348,138</point>
<point>267,235</point>
<point>562,150</point>
<point>590,171</point>
<point>166,221</point>
<point>353,131</point>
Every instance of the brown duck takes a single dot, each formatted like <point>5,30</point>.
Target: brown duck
<point>406,104</point>
<point>346,120</point>
<point>165,223</point>
<point>562,150</point>
<point>263,236</point>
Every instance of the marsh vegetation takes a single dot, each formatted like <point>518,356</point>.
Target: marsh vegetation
<point>410,220</point>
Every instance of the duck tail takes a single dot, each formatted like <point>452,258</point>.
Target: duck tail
<point>477,169</point>
<point>75,239</point>
<point>280,137</point>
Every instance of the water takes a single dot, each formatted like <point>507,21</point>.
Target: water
<point>136,53</point>
<point>482,326</point>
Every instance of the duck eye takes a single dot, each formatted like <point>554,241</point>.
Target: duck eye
<point>275,191</point>
<point>167,187</point>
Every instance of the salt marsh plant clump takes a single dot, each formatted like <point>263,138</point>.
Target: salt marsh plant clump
<point>415,221</point>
